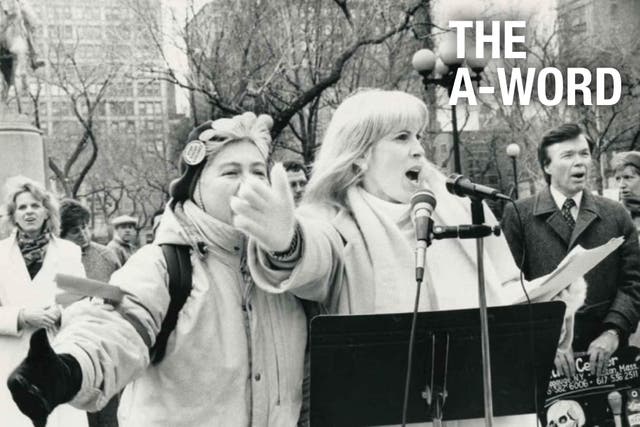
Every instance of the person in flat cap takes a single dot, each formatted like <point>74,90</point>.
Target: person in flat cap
<point>235,356</point>
<point>123,244</point>
<point>627,173</point>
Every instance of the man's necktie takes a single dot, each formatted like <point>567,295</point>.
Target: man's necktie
<point>566,212</point>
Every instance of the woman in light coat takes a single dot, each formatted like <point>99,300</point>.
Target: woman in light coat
<point>235,357</point>
<point>355,236</point>
<point>29,260</point>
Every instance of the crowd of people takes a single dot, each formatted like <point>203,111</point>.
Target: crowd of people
<point>270,244</point>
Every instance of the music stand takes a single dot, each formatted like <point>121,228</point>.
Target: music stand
<point>359,362</point>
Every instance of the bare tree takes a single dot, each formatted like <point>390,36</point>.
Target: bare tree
<point>611,127</point>
<point>285,58</point>
<point>83,87</point>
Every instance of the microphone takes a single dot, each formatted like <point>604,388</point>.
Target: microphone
<point>423,203</point>
<point>615,403</point>
<point>472,231</point>
<point>462,186</point>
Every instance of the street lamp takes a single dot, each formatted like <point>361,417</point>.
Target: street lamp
<point>444,70</point>
<point>513,151</point>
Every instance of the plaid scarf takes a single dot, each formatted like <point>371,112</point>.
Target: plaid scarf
<point>33,250</point>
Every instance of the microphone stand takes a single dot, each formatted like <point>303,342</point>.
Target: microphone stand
<point>477,218</point>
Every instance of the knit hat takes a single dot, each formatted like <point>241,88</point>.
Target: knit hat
<point>207,139</point>
<point>628,158</point>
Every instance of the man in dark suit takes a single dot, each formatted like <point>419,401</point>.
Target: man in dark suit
<point>564,215</point>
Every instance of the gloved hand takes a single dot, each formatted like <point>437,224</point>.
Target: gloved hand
<point>266,212</point>
<point>43,380</point>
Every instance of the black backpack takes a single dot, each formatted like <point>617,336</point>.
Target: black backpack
<point>180,282</point>
<point>179,267</point>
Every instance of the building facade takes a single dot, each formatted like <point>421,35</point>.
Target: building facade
<point>99,54</point>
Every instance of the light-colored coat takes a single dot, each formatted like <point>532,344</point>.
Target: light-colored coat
<point>335,268</point>
<point>18,291</point>
<point>235,357</point>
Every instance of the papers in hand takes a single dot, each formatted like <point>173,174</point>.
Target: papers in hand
<point>75,288</point>
<point>576,264</point>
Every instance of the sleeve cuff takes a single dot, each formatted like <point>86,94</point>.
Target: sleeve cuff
<point>88,397</point>
<point>288,258</point>
<point>9,321</point>
<point>616,321</point>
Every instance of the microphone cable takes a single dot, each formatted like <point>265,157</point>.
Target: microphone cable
<point>414,317</point>
<point>532,341</point>
<point>412,335</point>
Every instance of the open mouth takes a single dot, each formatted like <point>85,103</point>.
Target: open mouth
<point>413,174</point>
<point>578,175</point>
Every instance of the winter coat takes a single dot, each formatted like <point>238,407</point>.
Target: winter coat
<point>18,291</point>
<point>613,286</point>
<point>336,269</point>
<point>235,357</point>
<point>121,249</point>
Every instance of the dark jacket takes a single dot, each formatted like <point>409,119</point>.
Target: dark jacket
<point>99,262</point>
<point>613,286</point>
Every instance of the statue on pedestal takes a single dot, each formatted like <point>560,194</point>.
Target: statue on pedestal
<point>18,24</point>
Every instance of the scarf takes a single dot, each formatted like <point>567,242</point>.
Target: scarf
<point>218,237</point>
<point>386,226</point>
<point>451,273</point>
<point>33,250</point>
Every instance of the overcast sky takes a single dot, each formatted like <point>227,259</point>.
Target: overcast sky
<point>543,12</point>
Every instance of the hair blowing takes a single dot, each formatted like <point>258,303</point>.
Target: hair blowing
<point>361,120</point>
<point>20,184</point>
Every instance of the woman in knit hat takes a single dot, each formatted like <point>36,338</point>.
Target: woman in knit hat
<point>235,357</point>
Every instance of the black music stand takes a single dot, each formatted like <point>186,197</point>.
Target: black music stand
<point>358,364</point>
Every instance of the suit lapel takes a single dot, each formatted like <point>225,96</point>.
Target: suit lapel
<point>546,206</point>
<point>587,214</point>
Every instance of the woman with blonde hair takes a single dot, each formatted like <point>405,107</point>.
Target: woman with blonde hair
<point>353,238</point>
<point>29,260</point>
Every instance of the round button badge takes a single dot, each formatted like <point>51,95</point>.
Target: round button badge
<point>194,153</point>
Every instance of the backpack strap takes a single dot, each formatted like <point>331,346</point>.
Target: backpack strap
<point>179,267</point>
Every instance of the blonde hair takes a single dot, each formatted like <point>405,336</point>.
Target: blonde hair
<point>361,120</point>
<point>20,184</point>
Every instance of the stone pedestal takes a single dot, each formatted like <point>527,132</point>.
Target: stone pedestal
<point>21,153</point>
<point>21,149</point>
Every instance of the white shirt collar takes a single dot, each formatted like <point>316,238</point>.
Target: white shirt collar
<point>559,198</point>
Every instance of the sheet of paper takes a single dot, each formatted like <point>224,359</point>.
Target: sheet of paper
<point>576,264</point>
<point>87,288</point>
